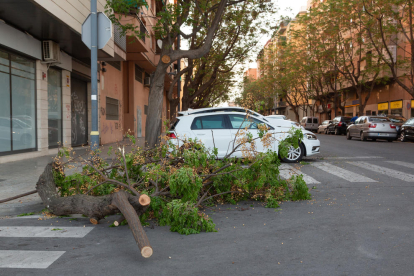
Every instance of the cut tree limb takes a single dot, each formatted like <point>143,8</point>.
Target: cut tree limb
<point>96,207</point>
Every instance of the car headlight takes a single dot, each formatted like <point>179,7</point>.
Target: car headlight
<point>310,136</point>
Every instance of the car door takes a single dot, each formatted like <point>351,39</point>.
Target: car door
<point>409,128</point>
<point>315,124</point>
<point>212,131</point>
<point>240,126</point>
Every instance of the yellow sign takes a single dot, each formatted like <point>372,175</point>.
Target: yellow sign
<point>383,106</point>
<point>396,105</point>
<point>412,103</point>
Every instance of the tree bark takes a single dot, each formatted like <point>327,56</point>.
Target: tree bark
<point>96,207</point>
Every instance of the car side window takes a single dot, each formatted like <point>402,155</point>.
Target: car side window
<point>239,121</point>
<point>209,122</point>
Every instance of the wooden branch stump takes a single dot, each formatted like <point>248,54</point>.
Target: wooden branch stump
<point>144,200</point>
<point>120,199</point>
<point>119,220</point>
<point>94,220</point>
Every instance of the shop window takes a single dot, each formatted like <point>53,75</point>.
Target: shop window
<point>54,99</point>
<point>18,103</point>
<point>383,112</point>
<point>368,113</point>
<point>396,112</point>
<point>138,73</point>
<point>112,109</point>
<point>374,113</point>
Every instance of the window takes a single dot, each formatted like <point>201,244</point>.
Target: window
<point>115,64</point>
<point>379,119</point>
<point>368,112</point>
<point>240,121</point>
<point>112,109</point>
<point>315,120</point>
<point>18,103</point>
<point>309,121</point>
<point>209,122</point>
<point>138,73</point>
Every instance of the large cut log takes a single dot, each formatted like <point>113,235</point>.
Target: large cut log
<point>96,207</point>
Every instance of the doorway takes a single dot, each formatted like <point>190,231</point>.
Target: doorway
<point>79,112</point>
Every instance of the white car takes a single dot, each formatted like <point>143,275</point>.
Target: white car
<point>286,124</point>
<point>280,117</point>
<point>218,129</point>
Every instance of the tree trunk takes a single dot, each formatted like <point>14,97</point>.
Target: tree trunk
<point>95,207</point>
<point>155,100</point>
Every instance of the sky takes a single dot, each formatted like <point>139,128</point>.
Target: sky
<point>286,8</point>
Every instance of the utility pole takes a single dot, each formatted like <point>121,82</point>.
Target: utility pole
<point>94,75</point>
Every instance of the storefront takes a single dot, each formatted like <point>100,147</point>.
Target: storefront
<point>396,107</point>
<point>383,108</point>
<point>17,104</point>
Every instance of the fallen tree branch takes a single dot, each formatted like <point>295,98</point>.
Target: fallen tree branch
<point>18,196</point>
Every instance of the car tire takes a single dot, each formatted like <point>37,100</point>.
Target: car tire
<point>337,131</point>
<point>403,138</point>
<point>294,155</point>
<point>348,136</point>
<point>326,131</point>
<point>363,138</point>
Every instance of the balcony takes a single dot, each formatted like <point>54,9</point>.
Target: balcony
<point>119,40</point>
<point>279,105</point>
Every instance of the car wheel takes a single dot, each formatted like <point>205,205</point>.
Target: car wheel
<point>348,136</point>
<point>363,138</point>
<point>337,131</point>
<point>326,131</point>
<point>294,155</point>
<point>403,138</point>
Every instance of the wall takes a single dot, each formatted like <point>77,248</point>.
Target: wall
<point>141,94</point>
<point>111,86</point>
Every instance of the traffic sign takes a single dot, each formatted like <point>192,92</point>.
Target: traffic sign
<point>104,30</point>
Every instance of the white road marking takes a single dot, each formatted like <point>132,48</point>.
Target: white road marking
<point>28,258</point>
<point>350,157</point>
<point>389,172</point>
<point>43,232</point>
<point>404,164</point>
<point>342,173</point>
<point>287,171</point>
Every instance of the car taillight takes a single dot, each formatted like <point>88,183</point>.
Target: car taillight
<point>372,125</point>
<point>340,124</point>
<point>171,135</point>
<point>392,126</point>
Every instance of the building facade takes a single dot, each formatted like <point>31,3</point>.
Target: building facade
<point>45,87</point>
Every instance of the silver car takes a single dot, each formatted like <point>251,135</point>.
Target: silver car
<point>322,127</point>
<point>372,127</point>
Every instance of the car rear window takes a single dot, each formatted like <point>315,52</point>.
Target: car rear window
<point>174,124</point>
<point>209,122</point>
<point>378,119</point>
<point>346,119</point>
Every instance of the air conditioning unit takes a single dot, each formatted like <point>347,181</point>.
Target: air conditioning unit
<point>51,52</point>
<point>147,81</point>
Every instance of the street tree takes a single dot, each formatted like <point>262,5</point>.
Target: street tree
<point>202,18</point>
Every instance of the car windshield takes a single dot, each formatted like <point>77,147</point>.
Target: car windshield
<point>378,119</point>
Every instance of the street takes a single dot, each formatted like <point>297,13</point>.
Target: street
<point>359,222</point>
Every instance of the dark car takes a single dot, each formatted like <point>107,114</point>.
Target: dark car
<point>407,130</point>
<point>339,125</point>
<point>398,121</point>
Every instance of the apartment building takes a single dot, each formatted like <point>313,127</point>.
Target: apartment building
<point>45,86</point>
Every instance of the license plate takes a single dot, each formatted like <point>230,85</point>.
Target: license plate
<point>383,134</point>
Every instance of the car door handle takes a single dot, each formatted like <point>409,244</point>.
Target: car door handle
<point>200,134</point>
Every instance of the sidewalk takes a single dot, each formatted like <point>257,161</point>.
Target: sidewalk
<point>21,176</point>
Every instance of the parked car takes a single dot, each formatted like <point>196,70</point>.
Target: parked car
<point>310,123</point>
<point>282,117</point>
<point>218,129</point>
<point>286,124</point>
<point>407,130</point>
<point>323,126</point>
<point>398,121</point>
<point>372,127</point>
<point>339,125</point>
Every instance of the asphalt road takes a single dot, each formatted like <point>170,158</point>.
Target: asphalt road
<point>359,222</point>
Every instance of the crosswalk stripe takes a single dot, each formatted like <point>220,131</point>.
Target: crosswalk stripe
<point>287,171</point>
<point>43,232</point>
<point>404,164</point>
<point>389,172</point>
<point>351,157</point>
<point>342,173</point>
<point>28,258</point>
